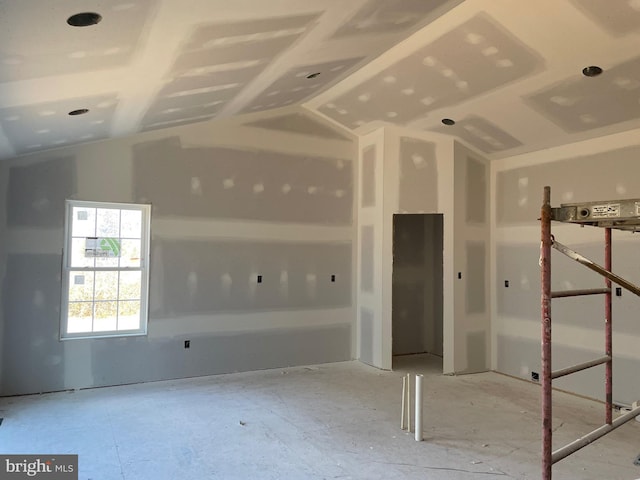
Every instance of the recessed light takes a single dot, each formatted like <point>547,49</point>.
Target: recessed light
<point>84,19</point>
<point>313,75</point>
<point>591,71</point>
<point>448,121</point>
<point>80,111</point>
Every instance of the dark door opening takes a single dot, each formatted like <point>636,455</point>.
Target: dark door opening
<point>417,295</point>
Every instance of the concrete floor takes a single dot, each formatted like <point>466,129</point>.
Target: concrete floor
<point>322,422</point>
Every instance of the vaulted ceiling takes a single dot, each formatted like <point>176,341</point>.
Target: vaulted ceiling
<point>509,73</point>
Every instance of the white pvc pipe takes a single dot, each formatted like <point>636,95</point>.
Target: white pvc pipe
<point>418,428</point>
<point>403,416</point>
<point>408,402</point>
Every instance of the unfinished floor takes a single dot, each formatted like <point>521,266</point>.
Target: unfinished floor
<point>330,421</point>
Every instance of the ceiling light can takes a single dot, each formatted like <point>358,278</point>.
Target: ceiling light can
<point>79,111</point>
<point>84,19</point>
<point>591,71</point>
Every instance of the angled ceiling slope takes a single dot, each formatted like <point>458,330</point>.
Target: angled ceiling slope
<point>300,123</point>
<point>509,75</point>
<point>150,64</point>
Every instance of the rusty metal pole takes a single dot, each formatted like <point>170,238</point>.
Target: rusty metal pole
<point>608,331</point>
<point>545,268</point>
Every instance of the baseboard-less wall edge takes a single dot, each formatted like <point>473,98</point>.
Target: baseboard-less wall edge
<point>556,389</point>
<point>373,366</point>
<point>466,372</point>
<point>140,359</point>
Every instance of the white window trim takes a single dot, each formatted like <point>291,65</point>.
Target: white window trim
<point>144,268</point>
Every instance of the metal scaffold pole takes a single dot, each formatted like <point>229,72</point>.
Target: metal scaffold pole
<point>620,215</point>
<point>545,265</point>
<point>608,347</point>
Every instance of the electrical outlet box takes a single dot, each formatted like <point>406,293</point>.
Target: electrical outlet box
<point>187,344</point>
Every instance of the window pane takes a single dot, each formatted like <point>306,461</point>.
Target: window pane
<point>106,285</point>
<point>105,316</point>
<point>79,317</point>
<point>80,286</point>
<point>84,222</point>
<point>105,274</point>
<point>108,224</point>
<point>130,253</point>
<point>107,262</point>
<point>129,315</point>
<point>131,223</point>
<point>78,258</point>
<point>130,285</point>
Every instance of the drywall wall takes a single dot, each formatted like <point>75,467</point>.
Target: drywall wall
<point>601,169</point>
<point>3,255</point>
<point>370,334</point>
<point>413,172</point>
<point>472,326</point>
<point>417,284</point>
<point>229,202</point>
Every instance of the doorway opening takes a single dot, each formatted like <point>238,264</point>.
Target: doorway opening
<point>417,292</point>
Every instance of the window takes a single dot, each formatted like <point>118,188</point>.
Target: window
<point>105,275</point>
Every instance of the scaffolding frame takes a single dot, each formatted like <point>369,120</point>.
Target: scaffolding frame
<point>619,215</point>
